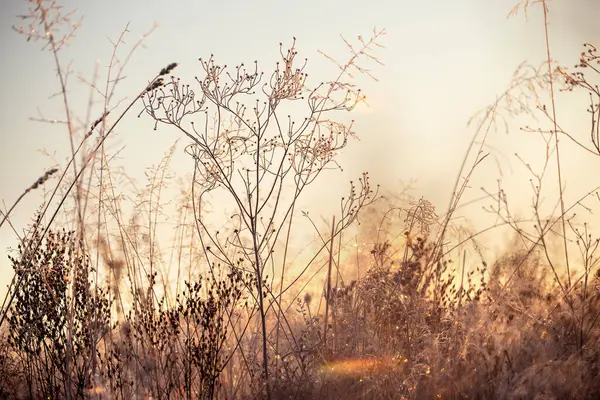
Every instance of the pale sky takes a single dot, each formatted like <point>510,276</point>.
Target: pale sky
<point>444,60</point>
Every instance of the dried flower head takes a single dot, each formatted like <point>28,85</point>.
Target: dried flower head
<point>167,69</point>
<point>42,179</point>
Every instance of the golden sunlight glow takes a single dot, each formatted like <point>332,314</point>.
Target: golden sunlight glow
<point>358,366</point>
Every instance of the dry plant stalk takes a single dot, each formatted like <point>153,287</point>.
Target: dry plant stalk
<point>253,152</point>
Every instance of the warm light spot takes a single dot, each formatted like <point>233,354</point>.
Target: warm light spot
<point>358,366</point>
<point>96,390</point>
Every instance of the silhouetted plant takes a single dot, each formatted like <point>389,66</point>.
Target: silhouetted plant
<point>58,316</point>
<point>252,155</point>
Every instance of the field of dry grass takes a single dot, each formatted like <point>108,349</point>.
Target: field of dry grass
<point>400,306</point>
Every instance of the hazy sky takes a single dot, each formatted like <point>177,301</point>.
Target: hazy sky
<point>444,60</point>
